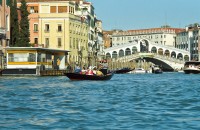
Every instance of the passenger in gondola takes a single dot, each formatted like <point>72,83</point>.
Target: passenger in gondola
<point>99,73</point>
<point>77,69</point>
<point>94,70</point>
<point>90,71</point>
<point>83,71</point>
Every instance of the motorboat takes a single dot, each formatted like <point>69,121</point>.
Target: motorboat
<point>192,67</point>
<point>138,71</point>
<point>156,69</point>
<point>123,70</point>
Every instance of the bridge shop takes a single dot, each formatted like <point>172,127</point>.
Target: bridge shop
<point>34,60</point>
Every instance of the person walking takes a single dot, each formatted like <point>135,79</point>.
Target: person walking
<point>58,64</point>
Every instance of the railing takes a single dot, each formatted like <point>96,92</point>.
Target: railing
<point>142,55</point>
<point>171,59</point>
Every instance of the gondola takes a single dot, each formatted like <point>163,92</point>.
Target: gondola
<point>123,71</point>
<point>77,76</point>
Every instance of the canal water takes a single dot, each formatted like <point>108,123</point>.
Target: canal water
<point>168,101</point>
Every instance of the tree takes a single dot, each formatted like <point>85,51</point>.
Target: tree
<point>24,26</point>
<point>14,24</point>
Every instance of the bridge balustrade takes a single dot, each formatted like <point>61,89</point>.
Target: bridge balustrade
<point>141,55</point>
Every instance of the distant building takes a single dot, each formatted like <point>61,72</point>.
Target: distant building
<point>107,37</point>
<point>188,40</point>
<point>98,37</point>
<point>161,36</point>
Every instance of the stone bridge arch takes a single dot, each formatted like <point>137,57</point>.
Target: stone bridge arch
<point>134,50</point>
<point>128,51</point>
<point>114,54</point>
<point>154,50</point>
<point>146,46</point>
<point>173,54</point>
<point>121,53</point>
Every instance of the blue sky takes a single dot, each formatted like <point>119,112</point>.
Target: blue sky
<point>141,14</point>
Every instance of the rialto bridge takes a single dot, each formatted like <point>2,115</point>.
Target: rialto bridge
<point>169,57</point>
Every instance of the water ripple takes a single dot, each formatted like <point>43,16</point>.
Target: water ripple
<point>128,101</point>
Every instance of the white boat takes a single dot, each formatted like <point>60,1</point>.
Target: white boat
<point>138,71</point>
<point>192,67</point>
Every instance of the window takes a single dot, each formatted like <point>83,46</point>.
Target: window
<point>59,28</point>
<point>77,43</point>
<point>74,43</point>
<point>46,27</point>
<point>59,42</point>
<point>70,43</point>
<point>47,42</point>
<point>31,57</point>
<point>62,9</point>
<point>35,27</point>
<point>7,23</point>
<point>36,40</point>
<point>53,9</point>
<point>10,57</point>
<point>32,10</point>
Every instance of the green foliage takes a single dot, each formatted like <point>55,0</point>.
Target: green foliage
<point>14,25</point>
<point>24,26</point>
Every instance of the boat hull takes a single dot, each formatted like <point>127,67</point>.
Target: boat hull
<point>191,71</point>
<point>138,71</point>
<point>76,76</point>
<point>123,71</point>
<point>158,71</point>
<point>192,67</point>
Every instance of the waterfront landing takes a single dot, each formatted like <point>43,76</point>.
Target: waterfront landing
<point>52,72</point>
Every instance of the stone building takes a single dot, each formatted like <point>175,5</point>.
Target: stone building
<point>188,40</point>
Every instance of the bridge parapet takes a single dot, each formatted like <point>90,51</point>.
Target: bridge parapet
<point>150,55</point>
<point>171,59</point>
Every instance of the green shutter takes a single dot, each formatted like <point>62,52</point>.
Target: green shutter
<point>0,2</point>
<point>8,2</point>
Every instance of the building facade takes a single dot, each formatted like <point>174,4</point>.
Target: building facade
<point>188,40</point>
<point>161,36</point>
<point>65,24</point>
<point>54,25</point>
<point>86,11</point>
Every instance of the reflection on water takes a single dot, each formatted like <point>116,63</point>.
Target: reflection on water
<point>127,101</point>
